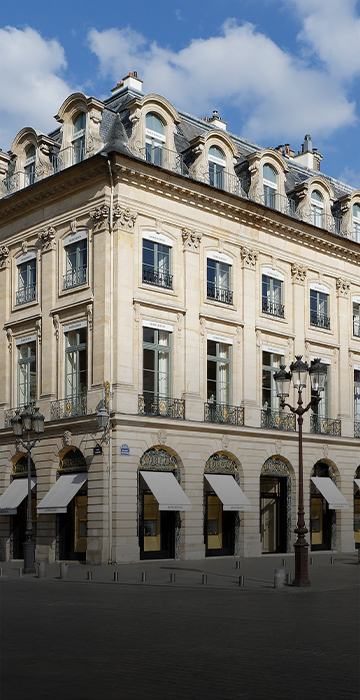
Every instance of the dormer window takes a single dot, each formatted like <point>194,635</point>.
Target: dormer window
<point>270,186</point>
<point>356,222</point>
<point>317,209</point>
<point>217,165</point>
<point>78,137</point>
<point>29,168</point>
<point>154,139</point>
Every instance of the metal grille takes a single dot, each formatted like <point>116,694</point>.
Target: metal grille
<point>150,405</point>
<point>223,413</point>
<point>319,320</point>
<point>223,295</point>
<point>74,278</point>
<point>278,420</point>
<point>273,308</point>
<point>25,294</point>
<point>325,426</point>
<point>68,408</point>
<point>157,278</point>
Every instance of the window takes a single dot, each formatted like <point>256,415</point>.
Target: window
<point>156,365</point>
<point>317,209</point>
<point>30,166</point>
<point>76,362</point>
<point>216,167</point>
<point>76,264</point>
<point>356,319</point>
<point>270,364</point>
<point>78,138</point>
<point>272,296</point>
<point>319,304</point>
<point>219,281</point>
<point>270,186</point>
<point>321,410</point>
<point>154,139</point>
<point>26,373</point>
<point>218,372</point>
<point>26,281</point>
<point>156,264</point>
<point>357,395</point>
<point>356,222</point>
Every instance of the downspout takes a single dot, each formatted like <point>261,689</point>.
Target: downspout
<point>111,229</point>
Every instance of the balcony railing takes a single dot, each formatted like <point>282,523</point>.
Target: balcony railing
<point>17,181</point>
<point>150,405</point>
<point>223,413</point>
<point>273,308</point>
<point>223,181</point>
<point>219,294</point>
<point>158,279</point>
<point>278,420</point>
<point>67,157</point>
<point>75,278</point>
<point>279,202</point>
<point>25,294</point>
<point>11,412</point>
<point>68,408</point>
<point>319,320</point>
<point>325,426</point>
<point>163,157</point>
<point>357,429</point>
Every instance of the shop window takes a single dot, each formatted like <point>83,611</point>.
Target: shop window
<point>356,222</point>
<point>154,139</point>
<point>272,294</point>
<point>29,168</point>
<point>76,264</point>
<point>218,373</point>
<point>78,137</point>
<point>317,209</point>
<point>26,282</point>
<point>217,165</point>
<point>26,373</point>
<point>75,363</point>
<point>219,281</point>
<point>156,366</point>
<point>319,309</point>
<point>270,186</point>
<point>156,264</point>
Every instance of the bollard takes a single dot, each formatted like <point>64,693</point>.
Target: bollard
<point>241,581</point>
<point>288,579</point>
<point>116,575</point>
<point>172,578</point>
<point>89,575</point>
<point>311,562</point>
<point>279,578</point>
<point>41,569</point>
<point>332,559</point>
<point>237,564</point>
<point>20,573</point>
<point>143,577</point>
<point>1,573</point>
<point>64,570</point>
<point>284,562</point>
<point>204,579</point>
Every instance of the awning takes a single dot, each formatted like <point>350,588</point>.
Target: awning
<point>330,492</point>
<point>166,490</point>
<point>357,482</point>
<point>60,495</point>
<point>229,492</point>
<point>14,495</point>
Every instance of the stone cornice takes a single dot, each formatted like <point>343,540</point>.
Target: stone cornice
<point>155,304</point>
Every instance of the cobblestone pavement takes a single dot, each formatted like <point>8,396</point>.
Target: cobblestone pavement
<point>125,639</point>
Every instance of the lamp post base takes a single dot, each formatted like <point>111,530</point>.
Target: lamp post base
<point>301,579</point>
<point>29,558</point>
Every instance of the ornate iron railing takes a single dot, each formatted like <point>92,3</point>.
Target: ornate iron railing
<point>279,202</point>
<point>223,413</point>
<point>68,408</point>
<point>223,181</point>
<point>157,278</point>
<point>273,308</point>
<point>319,320</point>
<point>74,278</point>
<point>11,412</point>
<point>219,294</point>
<point>25,294</point>
<point>165,158</point>
<point>150,405</point>
<point>278,420</point>
<point>68,156</point>
<point>357,429</point>
<point>325,426</point>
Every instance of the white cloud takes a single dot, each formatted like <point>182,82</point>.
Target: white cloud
<point>350,176</point>
<point>276,93</point>
<point>31,89</point>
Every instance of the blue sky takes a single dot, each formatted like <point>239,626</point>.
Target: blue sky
<point>274,69</point>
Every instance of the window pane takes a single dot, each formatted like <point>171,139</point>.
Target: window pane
<point>211,347</point>
<point>163,259</point>
<point>269,173</point>
<point>224,276</point>
<point>148,254</point>
<point>211,272</point>
<point>216,152</point>
<point>149,359</point>
<point>148,335</point>
<point>79,122</point>
<point>154,123</point>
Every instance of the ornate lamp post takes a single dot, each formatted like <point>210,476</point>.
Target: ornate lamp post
<point>28,421</point>
<point>298,374</point>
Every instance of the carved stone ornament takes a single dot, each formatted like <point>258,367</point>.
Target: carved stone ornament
<point>47,238</point>
<point>225,442</point>
<point>191,240</point>
<point>9,339</point>
<point>342,287</point>
<point>4,257</point>
<point>56,323</point>
<point>99,216</point>
<point>249,256</point>
<point>73,226</point>
<point>325,449</point>
<point>38,326</point>
<point>125,217</point>
<point>298,272</point>
<point>67,438</point>
<point>89,315</point>
<point>161,435</point>
<point>24,246</point>
<point>278,446</point>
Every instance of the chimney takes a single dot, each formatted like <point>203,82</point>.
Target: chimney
<point>216,121</point>
<point>130,81</point>
<point>308,155</point>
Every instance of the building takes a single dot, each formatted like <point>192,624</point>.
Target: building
<point>152,260</point>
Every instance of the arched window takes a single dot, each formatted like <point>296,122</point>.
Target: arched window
<point>154,139</point>
<point>78,137</point>
<point>270,186</point>
<point>216,167</point>
<point>356,222</point>
<point>317,209</point>
<point>30,166</point>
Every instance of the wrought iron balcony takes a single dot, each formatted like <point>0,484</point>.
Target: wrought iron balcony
<point>25,294</point>
<point>325,426</point>
<point>164,158</point>
<point>278,420</point>
<point>223,413</point>
<point>68,408</point>
<point>279,202</point>
<point>150,405</point>
<point>273,308</point>
<point>319,320</point>
<point>159,279</point>
<point>223,181</point>
<point>11,412</point>
<point>219,294</point>
<point>357,429</point>
<point>75,278</point>
<point>68,156</point>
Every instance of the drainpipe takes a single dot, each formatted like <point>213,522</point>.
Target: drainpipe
<point>111,229</point>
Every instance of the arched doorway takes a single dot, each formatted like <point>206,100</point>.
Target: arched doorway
<point>322,518</point>
<point>357,509</point>
<point>160,500</point>
<point>18,520</point>
<point>275,506</point>
<point>223,499</point>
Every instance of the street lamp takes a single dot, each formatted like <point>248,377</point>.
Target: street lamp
<point>28,421</point>
<point>298,374</point>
